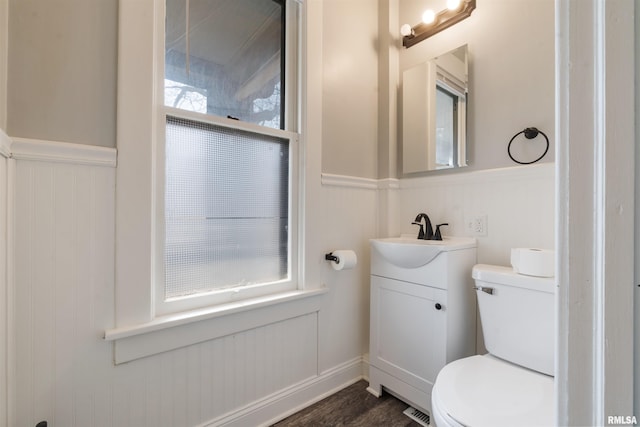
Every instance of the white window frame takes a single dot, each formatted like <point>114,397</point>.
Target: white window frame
<point>291,120</point>
<point>140,62</point>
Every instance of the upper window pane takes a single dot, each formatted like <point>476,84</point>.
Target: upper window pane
<point>224,57</point>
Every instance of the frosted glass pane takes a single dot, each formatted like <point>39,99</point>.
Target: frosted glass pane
<point>226,208</point>
<point>225,57</point>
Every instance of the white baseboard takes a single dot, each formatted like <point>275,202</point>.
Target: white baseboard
<point>286,402</point>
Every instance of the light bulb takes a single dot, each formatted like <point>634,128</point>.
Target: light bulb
<point>453,4</point>
<point>428,16</point>
<point>406,30</point>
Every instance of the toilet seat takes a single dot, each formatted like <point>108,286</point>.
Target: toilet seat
<point>486,391</point>
<point>439,415</point>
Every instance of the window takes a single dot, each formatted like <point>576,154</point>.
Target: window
<point>446,126</point>
<point>230,54</point>
<point>226,208</point>
<point>450,120</point>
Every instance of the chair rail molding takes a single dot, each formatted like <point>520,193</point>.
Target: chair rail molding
<point>62,152</point>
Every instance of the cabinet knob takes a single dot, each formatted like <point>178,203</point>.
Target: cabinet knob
<point>438,306</point>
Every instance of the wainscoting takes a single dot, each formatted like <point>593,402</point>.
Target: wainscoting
<point>59,293</point>
<point>63,294</point>
<point>62,301</point>
<point>518,202</point>
<point>6,167</point>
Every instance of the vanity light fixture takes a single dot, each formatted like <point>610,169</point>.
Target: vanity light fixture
<point>428,17</point>
<point>406,30</point>
<point>432,23</point>
<point>453,4</point>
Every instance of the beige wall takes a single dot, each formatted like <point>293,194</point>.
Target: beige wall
<point>350,88</point>
<point>4,44</point>
<point>62,70</point>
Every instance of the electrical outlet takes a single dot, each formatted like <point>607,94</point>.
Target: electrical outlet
<point>477,225</point>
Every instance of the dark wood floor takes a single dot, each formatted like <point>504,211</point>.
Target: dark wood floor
<point>353,406</point>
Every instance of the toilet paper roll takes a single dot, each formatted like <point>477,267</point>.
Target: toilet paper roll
<point>533,262</point>
<point>346,259</point>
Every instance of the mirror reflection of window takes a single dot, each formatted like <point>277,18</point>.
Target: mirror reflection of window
<point>446,124</point>
<point>434,113</point>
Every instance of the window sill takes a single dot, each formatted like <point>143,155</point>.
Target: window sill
<point>182,329</point>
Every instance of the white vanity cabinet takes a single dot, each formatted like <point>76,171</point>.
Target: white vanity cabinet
<point>422,317</point>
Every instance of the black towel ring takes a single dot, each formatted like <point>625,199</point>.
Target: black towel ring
<point>529,133</point>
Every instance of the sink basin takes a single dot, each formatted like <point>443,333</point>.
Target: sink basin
<point>407,252</point>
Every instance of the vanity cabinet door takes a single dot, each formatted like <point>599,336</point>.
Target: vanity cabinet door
<point>408,330</point>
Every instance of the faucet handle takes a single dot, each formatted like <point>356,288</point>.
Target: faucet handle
<point>421,232</point>
<point>437,235</point>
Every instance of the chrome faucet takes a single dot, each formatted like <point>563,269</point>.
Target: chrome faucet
<point>422,235</point>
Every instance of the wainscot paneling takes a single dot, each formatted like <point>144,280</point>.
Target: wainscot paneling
<point>63,286</point>
<point>518,202</point>
<point>5,166</point>
<point>64,301</point>
<point>350,217</point>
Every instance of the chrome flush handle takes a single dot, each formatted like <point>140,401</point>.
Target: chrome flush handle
<point>486,290</point>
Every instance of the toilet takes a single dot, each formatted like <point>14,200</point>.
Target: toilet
<point>511,385</point>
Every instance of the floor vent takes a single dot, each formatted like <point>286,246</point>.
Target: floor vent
<point>418,416</point>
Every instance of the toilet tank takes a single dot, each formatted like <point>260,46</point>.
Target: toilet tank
<point>517,313</point>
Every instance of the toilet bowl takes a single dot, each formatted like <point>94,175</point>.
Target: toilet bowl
<point>512,385</point>
<point>486,391</point>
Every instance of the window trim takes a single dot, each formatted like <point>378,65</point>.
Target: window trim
<point>140,121</point>
<point>178,330</point>
<point>289,107</point>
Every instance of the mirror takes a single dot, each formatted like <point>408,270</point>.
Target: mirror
<point>434,113</point>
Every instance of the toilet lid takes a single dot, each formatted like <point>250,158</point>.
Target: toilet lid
<point>485,391</point>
